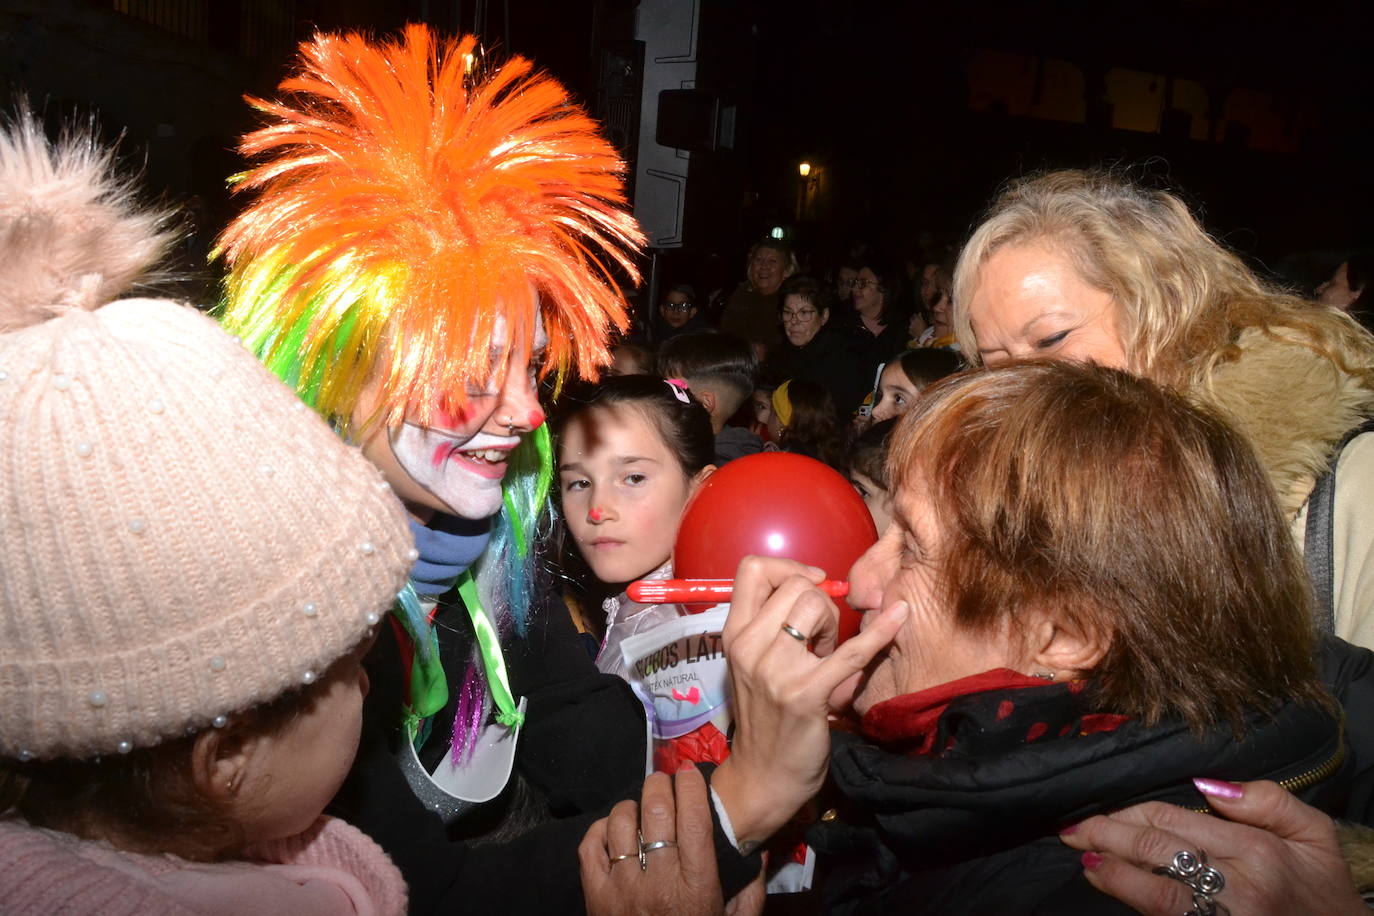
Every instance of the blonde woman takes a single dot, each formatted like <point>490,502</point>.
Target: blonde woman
<point>1083,265</point>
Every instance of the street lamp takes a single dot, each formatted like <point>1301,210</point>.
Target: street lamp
<point>804,169</point>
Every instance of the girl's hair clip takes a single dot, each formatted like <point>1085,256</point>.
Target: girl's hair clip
<point>679,387</point>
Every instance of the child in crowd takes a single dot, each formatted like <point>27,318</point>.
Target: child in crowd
<point>761,405</point>
<point>630,456</point>
<point>867,472</point>
<point>181,625</point>
<point>677,314</point>
<point>804,422</point>
<point>901,380</point>
<point>719,368</point>
<point>631,359</point>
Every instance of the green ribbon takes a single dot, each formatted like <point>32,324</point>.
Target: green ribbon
<point>428,686</point>
<point>489,644</point>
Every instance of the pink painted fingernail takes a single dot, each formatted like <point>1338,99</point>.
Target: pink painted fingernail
<point>1068,829</point>
<point>686,766</point>
<point>1219,788</point>
<point>1091,860</point>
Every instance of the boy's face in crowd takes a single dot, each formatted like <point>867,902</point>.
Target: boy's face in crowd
<point>676,310</point>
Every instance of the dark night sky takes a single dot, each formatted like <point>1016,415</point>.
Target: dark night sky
<point>882,89</point>
<point>878,95</point>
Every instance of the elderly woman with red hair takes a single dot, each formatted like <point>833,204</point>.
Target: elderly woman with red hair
<point>1062,620</point>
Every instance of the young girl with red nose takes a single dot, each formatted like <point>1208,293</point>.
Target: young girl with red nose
<point>631,453</point>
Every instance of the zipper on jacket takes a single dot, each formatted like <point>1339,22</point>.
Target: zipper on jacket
<point>1304,780</point>
<point>1314,776</point>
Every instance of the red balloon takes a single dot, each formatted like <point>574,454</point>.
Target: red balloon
<point>775,504</point>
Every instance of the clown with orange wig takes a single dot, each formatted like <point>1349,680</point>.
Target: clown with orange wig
<point>425,239</point>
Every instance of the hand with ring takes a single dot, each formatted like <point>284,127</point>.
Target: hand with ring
<point>1268,853</point>
<point>656,856</point>
<point>786,676</point>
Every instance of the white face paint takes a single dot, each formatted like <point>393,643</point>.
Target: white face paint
<point>456,465</point>
<point>464,472</point>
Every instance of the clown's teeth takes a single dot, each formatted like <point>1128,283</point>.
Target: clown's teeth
<point>492,455</point>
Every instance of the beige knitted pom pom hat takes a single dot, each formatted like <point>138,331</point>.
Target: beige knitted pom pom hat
<point>180,538</point>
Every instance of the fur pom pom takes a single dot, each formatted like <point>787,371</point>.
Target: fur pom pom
<point>72,234</point>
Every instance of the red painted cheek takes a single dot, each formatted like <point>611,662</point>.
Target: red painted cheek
<point>455,420</point>
<point>535,419</point>
<point>441,453</point>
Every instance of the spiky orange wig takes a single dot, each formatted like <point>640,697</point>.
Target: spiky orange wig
<point>403,206</point>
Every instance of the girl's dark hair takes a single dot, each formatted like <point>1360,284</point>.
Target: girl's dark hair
<point>684,427</point>
<point>928,365</point>
<point>813,429</point>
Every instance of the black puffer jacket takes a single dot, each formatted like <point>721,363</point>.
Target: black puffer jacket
<point>973,829</point>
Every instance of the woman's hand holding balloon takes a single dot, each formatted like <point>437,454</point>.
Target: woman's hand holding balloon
<point>783,693</point>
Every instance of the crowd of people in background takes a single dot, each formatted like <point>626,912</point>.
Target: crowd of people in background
<point>828,352</point>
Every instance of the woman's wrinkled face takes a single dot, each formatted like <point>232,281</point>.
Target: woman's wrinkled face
<point>801,320</point>
<point>896,393</point>
<point>1029,303</point>
<point>906,564</point>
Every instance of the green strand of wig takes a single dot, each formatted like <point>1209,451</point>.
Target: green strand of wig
<point>505,572</point>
